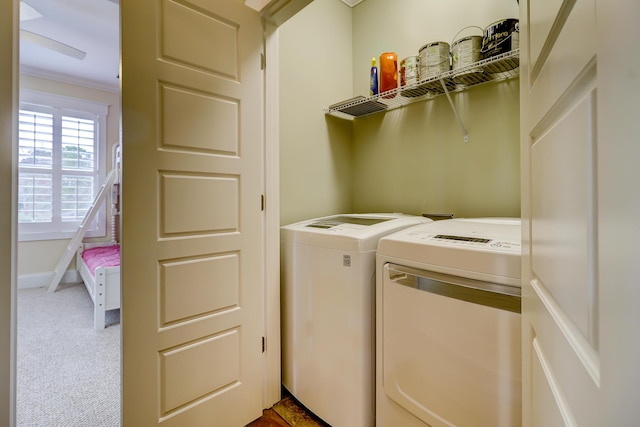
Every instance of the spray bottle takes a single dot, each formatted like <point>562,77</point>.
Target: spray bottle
<point>373,83</point>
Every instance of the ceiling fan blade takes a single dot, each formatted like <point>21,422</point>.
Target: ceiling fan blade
<point>55,45</point>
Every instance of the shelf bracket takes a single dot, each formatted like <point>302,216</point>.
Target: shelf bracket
<point>464,130</point>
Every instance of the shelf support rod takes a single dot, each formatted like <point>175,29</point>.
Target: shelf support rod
<point>455,112</point>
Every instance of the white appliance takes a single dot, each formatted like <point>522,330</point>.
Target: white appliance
<point>448,325</point>
<point>328,285</point>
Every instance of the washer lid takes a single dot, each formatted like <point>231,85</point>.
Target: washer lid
<point>340,220</point>
<point>352,232</point>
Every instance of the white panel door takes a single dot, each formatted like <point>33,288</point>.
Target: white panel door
<point>561,369</point>
<point>579,300</point>
<point>192,231</point>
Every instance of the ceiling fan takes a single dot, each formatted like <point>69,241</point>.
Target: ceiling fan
<point>28,12</point>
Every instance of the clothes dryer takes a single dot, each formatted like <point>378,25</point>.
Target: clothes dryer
<point>448,325</point>
<point>328,286</point>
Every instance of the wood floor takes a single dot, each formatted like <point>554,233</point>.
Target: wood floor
<point>269,418</point>
<point>288,413</point>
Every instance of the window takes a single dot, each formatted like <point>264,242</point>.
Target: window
<point>61,160</point>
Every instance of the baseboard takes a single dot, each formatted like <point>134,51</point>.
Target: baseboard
<point>43,280</point>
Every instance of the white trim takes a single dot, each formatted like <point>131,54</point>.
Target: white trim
<point>31,96</point>
<point>272,216</point>
<point>42,280</point>
<point>583,349</point>
<point>257,5</point>
<point>57,235</point>
<point>278,11</point>
<point>63,78</point>
<point>562,405</point>
<point>352,3</point>
<point>100,111</point>
<point>9,83</point>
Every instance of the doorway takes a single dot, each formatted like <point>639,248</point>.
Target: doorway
<point>68,50</point>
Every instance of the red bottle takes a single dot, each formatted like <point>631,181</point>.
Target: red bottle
<point>388,73</point>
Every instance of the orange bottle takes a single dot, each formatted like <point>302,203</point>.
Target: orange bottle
<point>388,73</point>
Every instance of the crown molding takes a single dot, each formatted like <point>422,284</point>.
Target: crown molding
<point>63,78</point>
<point>352,3</point>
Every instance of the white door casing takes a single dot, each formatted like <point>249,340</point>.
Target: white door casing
<point>192,230</point>
<point>619,209</point>
<point>8,199</point>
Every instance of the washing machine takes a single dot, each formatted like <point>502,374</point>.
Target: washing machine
<point>448,325</point>
<point>327,306</point>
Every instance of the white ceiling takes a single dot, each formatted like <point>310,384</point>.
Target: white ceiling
<point>91,26</point>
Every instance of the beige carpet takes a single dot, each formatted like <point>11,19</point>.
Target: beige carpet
<point>296,415</point>
<point>68,374</point>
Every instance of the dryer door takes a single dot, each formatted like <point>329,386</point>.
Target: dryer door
<point>451,348</point>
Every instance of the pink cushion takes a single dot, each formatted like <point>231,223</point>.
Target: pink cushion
<point>101,256</point>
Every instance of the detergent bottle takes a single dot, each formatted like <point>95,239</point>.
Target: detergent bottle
<point>388,73</point>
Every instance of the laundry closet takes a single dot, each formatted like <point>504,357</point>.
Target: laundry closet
<point>412,159</point>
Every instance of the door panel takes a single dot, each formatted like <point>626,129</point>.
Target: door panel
<point>186,26</point>
<point>184,213</point>
<point>544,405</point>
<point>192,235</point>
<point>561,216</point>
<point>541,17</point>
<point>182,376</point>
<point>218,118</point>
<point>188,287</point>
<point>569,365</point>
<point>568,51</point>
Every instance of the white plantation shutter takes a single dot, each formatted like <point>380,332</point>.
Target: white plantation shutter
<point>78,140</point>
<point>60,165</point>
<point>77,196</point>
<point>35,159</point>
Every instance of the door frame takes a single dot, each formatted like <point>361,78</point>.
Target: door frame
<point>274,14</point>
<point>272,370</point>
<point>9,84</point>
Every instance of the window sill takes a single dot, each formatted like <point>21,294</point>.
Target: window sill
<point>55,235</point>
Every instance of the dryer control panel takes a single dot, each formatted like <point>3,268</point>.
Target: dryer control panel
<point>480,233</point>
<point>476,241</point>
<point>478,248</point>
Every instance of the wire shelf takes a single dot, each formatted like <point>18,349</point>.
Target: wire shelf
<point>497,68</point>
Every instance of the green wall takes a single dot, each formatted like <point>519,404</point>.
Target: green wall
<point>316,171</point>
<point>412,159</point>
